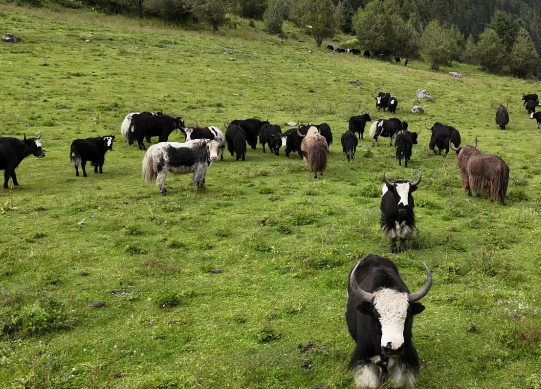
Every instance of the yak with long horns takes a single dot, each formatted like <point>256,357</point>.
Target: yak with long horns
<point>379,316</point>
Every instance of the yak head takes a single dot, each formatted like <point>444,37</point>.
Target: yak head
<point>401,189</point>
<point>35,145</point>
<point>108,141</point>
<point>412,135</point>
<point>393,308</point>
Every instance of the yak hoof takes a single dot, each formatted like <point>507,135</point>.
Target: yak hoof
<point>393,248</point>
<point>402,247</point>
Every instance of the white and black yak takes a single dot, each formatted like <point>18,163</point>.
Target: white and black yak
<point>90,149</point>
<point>379,316</point>
<point>482,171</point>
<point>314,149</point>
<point>179,158</point>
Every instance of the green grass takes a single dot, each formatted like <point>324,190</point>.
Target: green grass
<point>218,288</point>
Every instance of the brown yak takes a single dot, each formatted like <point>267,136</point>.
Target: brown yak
<point>314,148</point>
<point>482,171</point>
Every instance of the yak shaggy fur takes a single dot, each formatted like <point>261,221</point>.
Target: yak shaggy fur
<point>483,171</point>
<point>314,149</point>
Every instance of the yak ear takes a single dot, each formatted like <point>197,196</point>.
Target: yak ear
<point>365,308</point>
<point>416,308</point>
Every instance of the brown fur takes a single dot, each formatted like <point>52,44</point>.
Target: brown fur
<point>483,171</point>
<point>314,148</point>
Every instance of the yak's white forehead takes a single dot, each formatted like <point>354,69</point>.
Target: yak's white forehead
<point>37,142</point>
<point>391,305</point>
<point>108,139</point>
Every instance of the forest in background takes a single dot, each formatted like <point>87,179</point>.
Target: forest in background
<point>501,36</point>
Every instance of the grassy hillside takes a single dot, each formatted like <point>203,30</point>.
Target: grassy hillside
<point>218,288</point>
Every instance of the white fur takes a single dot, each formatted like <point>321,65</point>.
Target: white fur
<point>367,376</point>
<point>125,126</point>
<point>38,143</point>
<point>403,191</point>
<point>392,307</point>
<point>284,141</point>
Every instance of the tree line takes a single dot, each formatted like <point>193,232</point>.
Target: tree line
<point>501,36</point>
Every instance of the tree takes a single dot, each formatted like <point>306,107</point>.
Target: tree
<point>505,27</point>
<point>490,52</point>
<point>407,39</point>
<point>274,16</point>
<point>250,9</point>
<point>374,27</point>
<point>210,11</point>
<point>437,45</point>
<point>524,57</point>
<point>318,16</point>
<point>468,55</point>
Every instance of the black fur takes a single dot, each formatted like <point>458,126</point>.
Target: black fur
<point>358,123</point>
<point>271,134</point>
<point>502,117</point>
<point>251,129</point>
<point>145,126</point>
<point>293,141</point>
<point>90,149</point>
<point>235,138</point>
<point>324,129</point>
<point>441,135</point>
<point>12,152</point>
<point>374,273</point>
<point>349,144</point>
<point>531,105</point>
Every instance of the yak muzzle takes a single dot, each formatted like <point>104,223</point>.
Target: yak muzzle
<point>390,350</point>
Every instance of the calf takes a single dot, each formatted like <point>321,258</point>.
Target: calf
<point>349,144</point>
<point>90,149</point>
<point>13,151</point>
<point>397,216</point>
<point>270,134</point>
<point>382,100</point>
<point>235,137</point>
<point>192,156</point>
<point>211,132</point>
<point>537,117</point>
<point>379,316</point>
<point>357,123</point>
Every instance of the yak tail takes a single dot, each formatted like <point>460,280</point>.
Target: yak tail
<point>75,157</point>
<point>316,157</point>
<point>149,174</point>
<point>455,138</point>
<point>125,128</point>
<point>131,133</point>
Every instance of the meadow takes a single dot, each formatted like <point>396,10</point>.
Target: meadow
<point>104,283</point>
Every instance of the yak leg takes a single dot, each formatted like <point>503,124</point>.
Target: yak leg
<point>402,245</point>
<point>393,245</point>
<point>263,144</point>
<point>77,170</point>
<point>160,181</point>
<point>14,178</point>
<point>6,178</point>
<point>83,166</point>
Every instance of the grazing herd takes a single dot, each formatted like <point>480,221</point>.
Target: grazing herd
<point>380,308</point>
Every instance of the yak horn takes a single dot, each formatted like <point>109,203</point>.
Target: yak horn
<point>301,135</point>
<point>428,128</point>
<point>452,147</point>
<point>475,145</point>
<point>419,132</point>
<point>387,181</point>
<point>419,179</point>
<point>426,287</point>
<point>364,296</point>
<point>39,135</point>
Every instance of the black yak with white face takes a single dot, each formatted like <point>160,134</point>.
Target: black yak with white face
<point>90,149</point>
<point>379,316</point>
<point>13,151</point>
<point>397,216</point>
